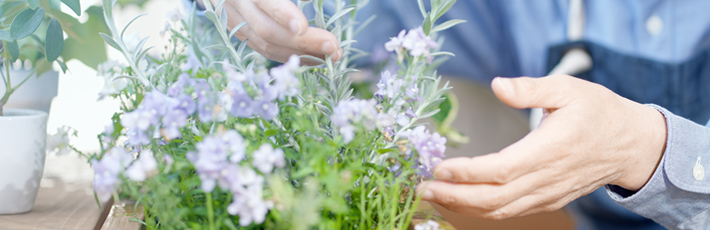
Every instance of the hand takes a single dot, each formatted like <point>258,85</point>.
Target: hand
<point>277,29</point>
<point>590,137</point>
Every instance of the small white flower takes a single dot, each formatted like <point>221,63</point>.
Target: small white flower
<point>143,167</point>
<point>59,142</point>
<point>429,225</point>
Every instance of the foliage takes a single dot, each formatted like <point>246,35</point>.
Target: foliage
<point>208,137</point>
<point>32,31</point>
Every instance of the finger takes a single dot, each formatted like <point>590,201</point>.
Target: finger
<point>546,92</point>
<point>314,40</point>
<point>522,157</point>
<point>478,196</point>
<point>286,13</point>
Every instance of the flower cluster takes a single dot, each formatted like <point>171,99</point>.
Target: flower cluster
<point>113,164</point>
<point>356,112</point>
<point>415,41</point>
<point>428,225</point>
<point>59,142</point>
<point>255,94</point>
<point>430,147</point>
<point>217,162</point>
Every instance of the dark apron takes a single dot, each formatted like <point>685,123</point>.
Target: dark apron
<point>682,88</point>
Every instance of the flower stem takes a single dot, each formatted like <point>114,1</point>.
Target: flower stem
<point>210,210</point>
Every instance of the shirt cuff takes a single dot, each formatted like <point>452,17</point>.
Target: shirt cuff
<point>678,194</point>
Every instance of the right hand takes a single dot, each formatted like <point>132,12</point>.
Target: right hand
<point>278,29</point>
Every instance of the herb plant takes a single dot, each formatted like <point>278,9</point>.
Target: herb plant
<point>209,137</point>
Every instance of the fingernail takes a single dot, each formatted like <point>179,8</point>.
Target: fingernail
<point>427,195</point>
<point>295,27</point>
<point>442,175</point>
<point>505,84</point>
<point>328,48</point>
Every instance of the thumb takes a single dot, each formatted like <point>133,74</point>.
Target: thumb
<point>551,92</point>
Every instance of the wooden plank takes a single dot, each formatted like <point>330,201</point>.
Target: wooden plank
<point>122,215</point>
<point>63,206</point>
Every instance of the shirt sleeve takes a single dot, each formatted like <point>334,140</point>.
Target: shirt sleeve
<point>678,194</point>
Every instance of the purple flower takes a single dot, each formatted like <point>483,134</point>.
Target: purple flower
<point>107,170</point>
<point>211,160</point>
<point>430,147</point>
<point>145,166</point>
<point>249,204</point>
<point>266,158</point>
<point>415,41</point>
<point>355,111</point>
<point>285,82</point>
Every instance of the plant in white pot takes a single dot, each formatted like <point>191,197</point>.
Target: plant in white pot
<point>32,35</point>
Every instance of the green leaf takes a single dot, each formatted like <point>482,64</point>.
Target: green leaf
<point>109,40</point>
<point>33,3</point>
<point>427,24</point>
<point>62,65</point>
<point>447,24</point>
<point>445,8</point>
<point>14,50</point>
<point>89,48</point>
<point>74,5</point>
<point>5,36</point>
<point>421,8</point>
<point>444,110</point>
<point>54,43</point>
<point>26,23</point>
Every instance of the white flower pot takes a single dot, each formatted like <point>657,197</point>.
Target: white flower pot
<point>23,136</point>
<point>37,93</point>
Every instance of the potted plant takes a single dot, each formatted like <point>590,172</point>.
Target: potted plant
<point>32,39</point>
<point>208,136</point>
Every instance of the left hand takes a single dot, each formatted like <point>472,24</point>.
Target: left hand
<point>590,137</point>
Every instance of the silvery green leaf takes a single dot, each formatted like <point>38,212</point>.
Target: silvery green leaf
<point>250,55</point>
<point>139,47</point>
<point>14,50</point>
<point>348,42</point>
<point>313,58</point>
<point>143,53</point>
<point>444,8</point>
<point>241,47</point>
<point>447,24</point>
<point>54,42</point>
<point>223,18</point>
<point>26,23</point>
<point>109,40</point>
<point>364,24</point>
<point>442,53</point>
<point>421,7</point>
<point>5,36</point>
<point>33,3</point>
<point>74,5</point>
<point>339,15</point>
<point>211,16</point>
<point>131,22</point>
<point>236,28</point>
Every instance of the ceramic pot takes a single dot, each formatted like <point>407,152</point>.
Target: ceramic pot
<point>37,93</point>
<point>23,139</point>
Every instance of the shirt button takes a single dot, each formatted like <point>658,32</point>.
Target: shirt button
<point>654,25</point>
<point>698,171</point>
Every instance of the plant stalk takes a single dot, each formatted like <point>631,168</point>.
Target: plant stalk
<point>210,210</point>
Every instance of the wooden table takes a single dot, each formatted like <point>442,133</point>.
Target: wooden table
<point>61,206</point>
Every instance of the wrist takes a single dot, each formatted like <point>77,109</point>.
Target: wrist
<point>651,144</point>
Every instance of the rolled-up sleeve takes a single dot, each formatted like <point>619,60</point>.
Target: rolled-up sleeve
<point>678,194</point>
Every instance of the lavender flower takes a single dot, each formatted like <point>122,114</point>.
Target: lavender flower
<point>266,158</point>
<point>285,81</point>
<point>430,147</point>
<point>107,170</point>
<point>145,166</point>
<point>356,111</point>
<point>415,41</point>
<point>59,142</point>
